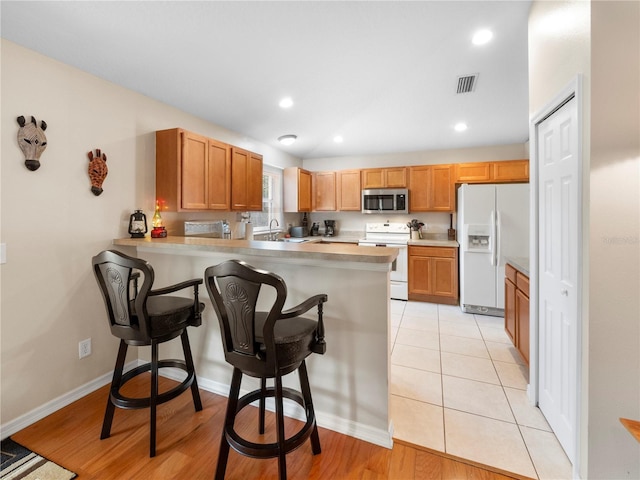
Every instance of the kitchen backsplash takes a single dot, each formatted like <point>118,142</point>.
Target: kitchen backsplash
<point>348,221</point>
<point>355,221</point>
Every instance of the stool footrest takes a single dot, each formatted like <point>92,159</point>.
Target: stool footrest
<point>122,401</point>
<point>270,450</point>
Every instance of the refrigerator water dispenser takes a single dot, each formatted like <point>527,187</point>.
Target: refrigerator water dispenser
<point>478,238</point>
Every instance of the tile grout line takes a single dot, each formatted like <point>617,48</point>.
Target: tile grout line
<point>444,425</point>
<point>524,442</point>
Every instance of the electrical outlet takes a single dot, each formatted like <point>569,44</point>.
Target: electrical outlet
<point>84,348</point>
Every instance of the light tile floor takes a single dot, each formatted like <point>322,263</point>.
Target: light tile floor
<point>459,386</point>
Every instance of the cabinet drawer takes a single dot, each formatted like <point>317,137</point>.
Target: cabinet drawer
<point>522,282</point>
<point>446,252</point>
<point>510,273</point>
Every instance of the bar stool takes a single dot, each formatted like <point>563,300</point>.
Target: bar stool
<point>145,317</point>
<point>264,344</point>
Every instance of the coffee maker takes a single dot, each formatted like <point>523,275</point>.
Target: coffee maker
<point>329,228</point>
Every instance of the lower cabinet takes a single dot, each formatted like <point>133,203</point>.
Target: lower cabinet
<point>433,274</point>
<point>516,309</point>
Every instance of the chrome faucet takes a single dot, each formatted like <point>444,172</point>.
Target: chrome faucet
<point>271,237</point>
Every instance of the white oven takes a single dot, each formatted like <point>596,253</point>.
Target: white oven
<point>394,235</point>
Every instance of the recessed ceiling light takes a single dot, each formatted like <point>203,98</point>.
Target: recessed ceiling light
<point>460,127</point>
<point>287,139</point>
<point>286,102</point>
<point>338,139</point>
<point>481,37</point>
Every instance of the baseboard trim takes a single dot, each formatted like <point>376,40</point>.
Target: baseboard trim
<point>29,418</point>
<point>329,421</point>
<point>325,420</point>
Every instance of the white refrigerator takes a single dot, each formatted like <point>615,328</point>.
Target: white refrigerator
<point>493,225</point>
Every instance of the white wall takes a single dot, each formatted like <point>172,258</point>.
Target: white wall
<point>53,225</point>
<point>614,292</point>
<point>600,41</point>
<point>559,49</point>
<point>433,157</point>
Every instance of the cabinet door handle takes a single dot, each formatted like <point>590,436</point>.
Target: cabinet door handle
<point>564,292</point>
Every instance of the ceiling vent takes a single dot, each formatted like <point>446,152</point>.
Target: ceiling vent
<point>467,83</point>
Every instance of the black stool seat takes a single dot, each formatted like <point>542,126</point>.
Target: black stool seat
<point>294,338</point>
<point>264,344</point>
<point>139,317</point>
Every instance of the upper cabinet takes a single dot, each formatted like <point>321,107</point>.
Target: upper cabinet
<point>246,180</point>
<point>192,171</point>
<point>431,188</point>
<point>306,191</point>
<point>324,191</point>
<point>297,190</point>
<point>392,177</point>
<point>509,171</point>
<point>349,191</point>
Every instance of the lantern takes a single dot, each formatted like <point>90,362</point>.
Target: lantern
<point>159,231</point>
<point>137,224</point>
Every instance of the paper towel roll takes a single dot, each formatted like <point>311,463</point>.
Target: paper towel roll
<point>248,231</point>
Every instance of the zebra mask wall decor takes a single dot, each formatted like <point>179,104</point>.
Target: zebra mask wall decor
<point>97,171</point>
<point>32,141</point>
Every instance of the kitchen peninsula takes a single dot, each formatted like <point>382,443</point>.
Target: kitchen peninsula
<point>350,381</point>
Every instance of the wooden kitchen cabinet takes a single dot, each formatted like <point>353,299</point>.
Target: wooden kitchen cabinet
<point>516,310</point>
<point>297,190</point>
<point>391,177</point>
<point>509,171</point>
<point>433,274</point>
<point>522,314</point>
<point>246,180</point>
<point>324,191</point>
<point>510,302</point>
<point>349,192</point>
<point>431,188</point>
<point>192,172</point>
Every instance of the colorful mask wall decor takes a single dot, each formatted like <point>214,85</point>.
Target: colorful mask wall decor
<point>32,141</point>
<point>97,171</point>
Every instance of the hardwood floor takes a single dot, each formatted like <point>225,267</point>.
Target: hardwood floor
<point>188,441</point>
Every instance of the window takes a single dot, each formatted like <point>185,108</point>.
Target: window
<point>271,200</point>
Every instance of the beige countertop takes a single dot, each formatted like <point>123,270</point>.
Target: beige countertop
<point>333,251</point>
<point>429,240</point>
<point>519,263</point>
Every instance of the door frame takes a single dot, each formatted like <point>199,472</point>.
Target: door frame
<point>573,89</point>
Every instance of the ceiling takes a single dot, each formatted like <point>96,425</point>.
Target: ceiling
<point>383,75</point>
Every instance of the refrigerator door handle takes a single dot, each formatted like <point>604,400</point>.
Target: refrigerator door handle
<point>493,238</point>
<point>498,237</point>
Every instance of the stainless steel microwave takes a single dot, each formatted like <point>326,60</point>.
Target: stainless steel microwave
<point>385,200</point>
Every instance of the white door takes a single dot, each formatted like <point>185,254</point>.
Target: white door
<point>558,287</point>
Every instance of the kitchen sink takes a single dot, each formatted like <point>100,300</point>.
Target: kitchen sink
<point>292,240</point>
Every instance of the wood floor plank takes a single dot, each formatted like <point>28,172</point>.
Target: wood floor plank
<point>403,463</point>
<point>188,442</point>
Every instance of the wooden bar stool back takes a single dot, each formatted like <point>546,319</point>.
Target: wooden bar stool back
<point>145,317</point>
<point>264,344</point>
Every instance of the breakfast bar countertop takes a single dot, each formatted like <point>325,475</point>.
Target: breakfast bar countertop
<point>353,371</point>
<point>307,250</point>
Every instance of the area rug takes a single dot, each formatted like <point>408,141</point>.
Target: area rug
<point>20,463</point>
